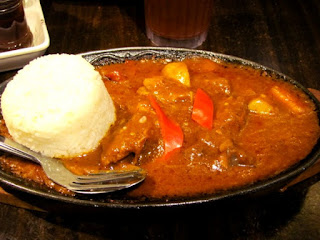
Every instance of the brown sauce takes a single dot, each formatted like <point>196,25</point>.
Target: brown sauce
<point>244,145</point>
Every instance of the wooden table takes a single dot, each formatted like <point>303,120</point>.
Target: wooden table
<point>283,35</point>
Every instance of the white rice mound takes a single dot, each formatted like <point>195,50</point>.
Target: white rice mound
<point>58,105</point>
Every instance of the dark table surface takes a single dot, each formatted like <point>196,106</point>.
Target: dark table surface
<point>283,35</point>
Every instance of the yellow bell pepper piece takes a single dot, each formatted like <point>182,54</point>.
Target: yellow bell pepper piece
<point>178,71</point>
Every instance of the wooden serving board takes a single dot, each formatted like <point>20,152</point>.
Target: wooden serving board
<point>8,198</point>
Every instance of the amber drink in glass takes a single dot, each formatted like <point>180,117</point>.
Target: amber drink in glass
<point>14,31</point>
<point>177,23</point>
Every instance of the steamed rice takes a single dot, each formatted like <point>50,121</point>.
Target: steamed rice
<point>58,105</point>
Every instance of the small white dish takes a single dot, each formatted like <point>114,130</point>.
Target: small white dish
<point>18,58</point>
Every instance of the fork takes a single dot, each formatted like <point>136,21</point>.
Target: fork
<point>102,182</point>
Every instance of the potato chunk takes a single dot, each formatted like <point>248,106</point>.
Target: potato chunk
<point>260,106</point>
<point>177,71</point>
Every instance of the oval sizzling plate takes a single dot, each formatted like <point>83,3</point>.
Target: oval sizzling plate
<point>118,199</point>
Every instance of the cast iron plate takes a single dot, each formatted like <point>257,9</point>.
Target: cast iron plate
<point>118,199</point>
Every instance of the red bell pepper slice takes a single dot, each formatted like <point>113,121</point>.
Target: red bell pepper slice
<point>202,111</point>
<point>171,132</point>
